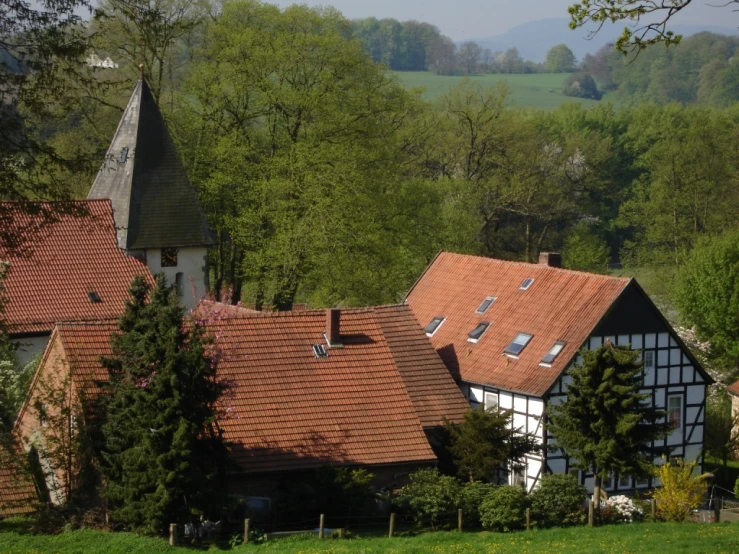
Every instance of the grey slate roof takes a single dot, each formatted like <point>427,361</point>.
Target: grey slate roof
<point>154,203</point>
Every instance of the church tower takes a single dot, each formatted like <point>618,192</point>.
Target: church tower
<point>157,214</point>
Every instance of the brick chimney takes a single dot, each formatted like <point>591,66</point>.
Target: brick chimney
<point>333,327</point>
<point>552,259</point>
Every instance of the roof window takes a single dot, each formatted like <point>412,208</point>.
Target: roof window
<point>432,327</point>
<point>485,305</point>
<point>94,297</point>
<point>124,155</point>
<point>320,351</point>
<point>553,353</point>
<point>517,344</point>
<point>477,333</point>
<point>526,283</point>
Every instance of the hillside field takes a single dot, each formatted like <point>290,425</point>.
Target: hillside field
<point>647,538</point>
<point>536,90</point>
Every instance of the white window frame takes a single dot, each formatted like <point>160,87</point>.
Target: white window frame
<point>526,286</point>
<point>493,397</point>
<point>649,356</point>
<point>443,319</point>
<point>487,326</point>
<point>491,299</point>
<point>523,345</point>
<point>679,411</point>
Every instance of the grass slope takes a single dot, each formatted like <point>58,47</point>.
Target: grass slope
<point>537,90</point>
<point>648,538</point>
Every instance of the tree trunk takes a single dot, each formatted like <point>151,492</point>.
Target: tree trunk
<point>596,491</point>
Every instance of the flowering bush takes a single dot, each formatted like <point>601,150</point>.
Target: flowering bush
<point>619,509</point>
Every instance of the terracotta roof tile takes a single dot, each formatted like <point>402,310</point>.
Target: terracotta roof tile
<point>734,388</point>
<point>63,262</point>
<point>364,404</point>
<point>560,305</point>
<point>17,492</point>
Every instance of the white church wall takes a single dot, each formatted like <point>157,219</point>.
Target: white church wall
<point>191,267</point>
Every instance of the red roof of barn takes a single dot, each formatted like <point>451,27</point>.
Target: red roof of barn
<point>61,262</point>
<point>560,305</point>
<point>364,404</point>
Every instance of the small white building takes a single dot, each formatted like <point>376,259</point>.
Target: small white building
<point>158,217</point>
<point>509,331</point>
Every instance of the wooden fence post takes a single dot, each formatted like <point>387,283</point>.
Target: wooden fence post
<point>392,525</point>
<point>591,513</point>
<point>172,534</point>
<point>459,520</point>
<point>654,510</point>
<point>320,527</point>
<point>528,519</point>
<point>246,531</point>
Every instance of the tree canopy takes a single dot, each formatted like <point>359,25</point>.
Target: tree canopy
<point>560,59</point>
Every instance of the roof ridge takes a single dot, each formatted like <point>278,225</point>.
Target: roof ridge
<point>537,265</point>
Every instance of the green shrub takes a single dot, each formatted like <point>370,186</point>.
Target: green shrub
<point>558,501</point>
<point>471,497</point>
<point>503,509</point>
<point>429,496</point>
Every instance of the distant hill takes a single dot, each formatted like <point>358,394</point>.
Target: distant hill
<point>535,38</point>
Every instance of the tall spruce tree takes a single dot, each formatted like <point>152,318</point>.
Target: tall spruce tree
<point>605,425</point>
<point>163,458</point>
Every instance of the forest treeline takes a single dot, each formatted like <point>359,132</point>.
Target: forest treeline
<point>328,183</point>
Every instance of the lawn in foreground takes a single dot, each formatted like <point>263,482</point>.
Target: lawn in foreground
<point>652,538</point>
<point>537,90</point>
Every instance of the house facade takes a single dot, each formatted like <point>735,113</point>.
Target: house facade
<point>509,331</point>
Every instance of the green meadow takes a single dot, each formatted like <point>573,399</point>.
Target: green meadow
<point>537,90</point>
<point>648,538</point>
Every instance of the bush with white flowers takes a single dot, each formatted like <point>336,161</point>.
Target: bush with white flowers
<point>618,509</point>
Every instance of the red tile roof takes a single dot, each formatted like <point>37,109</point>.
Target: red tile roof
<point>364,404</point>
<point>17,492</point>
<point>734,388</point>
<point>50,277</point>
<point>560,305</point>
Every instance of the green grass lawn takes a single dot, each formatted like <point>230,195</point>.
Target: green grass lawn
<point>661,538</point>
<point>538,90</point>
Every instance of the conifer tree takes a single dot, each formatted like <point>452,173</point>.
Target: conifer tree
<point>163,458</point>
<point>605,425</point>
<point>484,440</point>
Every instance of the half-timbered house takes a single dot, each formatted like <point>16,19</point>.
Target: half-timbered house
<point>508,332</point>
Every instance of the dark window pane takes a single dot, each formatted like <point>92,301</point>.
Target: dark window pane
<point>434,325</point>
<point>478,331</point>
<point>485,305</point>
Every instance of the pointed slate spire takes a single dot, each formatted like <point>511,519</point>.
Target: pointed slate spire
<point>154,203</point>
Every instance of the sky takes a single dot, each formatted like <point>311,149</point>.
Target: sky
<point>468,19</point>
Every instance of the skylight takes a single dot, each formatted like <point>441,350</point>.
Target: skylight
<point>553,352</point>
<point>94,297</point>
<point>526,283</point>
<point>320,351</point>
<point>517,344</point>
<point>485,305</point>
<point>432,327</point>
<point>478,332</point>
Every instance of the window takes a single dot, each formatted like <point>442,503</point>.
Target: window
<point>478,332</point>
<point>517,344</point>
<point>675,411</point>
<point>179,283</point>
<point>320,351</point>
<point>485,305</point>
<point>169,257</point>
<point>642,482</point>
<point>491,400</point>
<point>432,327</point>
<point>94,297</point>
<point>649,359</point>
<point>607,481</point>
<point>624,481</point>
<point>526,283</point>
<point>519,476</point>
<point>553,352</point>
<point>124,155</point>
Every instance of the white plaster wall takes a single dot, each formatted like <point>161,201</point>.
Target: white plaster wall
<point>191,263</point>
<point>29,347</point>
